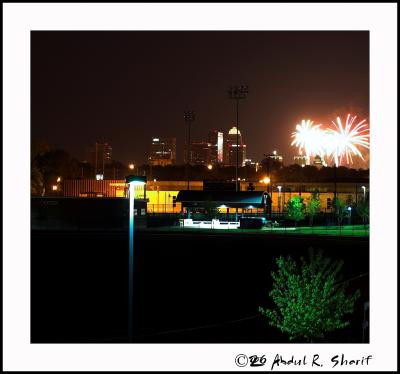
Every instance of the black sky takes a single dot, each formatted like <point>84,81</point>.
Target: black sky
<point>126,87</point>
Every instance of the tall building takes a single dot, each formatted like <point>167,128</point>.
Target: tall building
<point>300,160</point>
<point>162,151</point>
<point>234,135</point>
<point>319,161</point>
<point>201,153</point>
<point>101,156</point>
<point>274,156</point>
<point>216,138</point>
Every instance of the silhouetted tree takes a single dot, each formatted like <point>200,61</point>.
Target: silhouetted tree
<point>363,211</point>
<point>38,149</point>
<point>340,210</point>
<point>57,163</point>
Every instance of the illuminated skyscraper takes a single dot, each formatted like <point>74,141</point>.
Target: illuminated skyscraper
<point>163,151</point>
<point>216,138</point>
<point>231,147</point>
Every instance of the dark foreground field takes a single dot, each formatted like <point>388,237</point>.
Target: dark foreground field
<point>189,288</point>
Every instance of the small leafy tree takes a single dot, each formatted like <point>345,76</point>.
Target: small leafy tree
<point>310,301</point>
<point>295,209</point>
<point>363,211</point>
<point>340,210</point>
<point>313,206</point>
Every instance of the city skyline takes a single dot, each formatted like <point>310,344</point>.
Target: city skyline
<point>98,84</point>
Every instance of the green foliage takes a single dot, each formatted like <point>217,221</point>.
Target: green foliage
<point>295,209</point>
<point>309,300</point>
<point>363,211</point>
<point>211,210</point>
<point>313,206</point>
<point>340,210</point>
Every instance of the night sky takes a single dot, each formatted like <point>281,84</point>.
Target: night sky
<point>126,87</point>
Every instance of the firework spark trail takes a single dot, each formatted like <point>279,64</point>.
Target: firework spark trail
<point>343,141</point>
<point>308,137</point>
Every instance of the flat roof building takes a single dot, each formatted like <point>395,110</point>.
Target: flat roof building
<point>162,151</point>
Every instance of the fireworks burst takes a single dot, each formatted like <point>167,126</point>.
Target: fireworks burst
<point>338,142</point>
<point>344,141</point>
<point>308,137</point>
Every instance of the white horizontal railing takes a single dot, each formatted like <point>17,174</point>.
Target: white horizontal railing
<point>214,224</point>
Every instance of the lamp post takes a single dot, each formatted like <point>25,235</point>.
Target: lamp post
<point>364,188</point>
<point>349,210</point>
<point>237,93</point>
<point>189,117</point>
<point>279,197</point>
<point>132,180</point>
<point>267,182</point>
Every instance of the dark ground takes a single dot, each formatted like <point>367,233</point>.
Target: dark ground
<point>79,286</point>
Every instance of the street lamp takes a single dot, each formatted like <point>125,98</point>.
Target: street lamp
<point>265,180</point>
<point>349,210</point>
<point>364,188</point>
<point>279,197</point>
<point>189,117</point>
<point>131,166</point>
<point>209,167</point>
<point>237,93</point>
<point>132,181</point>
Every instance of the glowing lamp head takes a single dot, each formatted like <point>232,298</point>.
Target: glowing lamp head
<point>58,179</point>
<point>131,166</point>
<point>54,187</point>
<point>279,188</point>
<point>136,180</point>
<point>266,180</point>
<point>274,152</point>
<point>349,208</point>
<point>209,167</point>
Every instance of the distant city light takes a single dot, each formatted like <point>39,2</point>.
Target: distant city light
<point>154,180</point>
<point>274,152</point>
<point>54,187</point>
<point>265,180</point>
<point>131,166</point>
<point>209,167</point>
<point>99,177</point>
<point>58,179</point>
<point>156,139</point>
